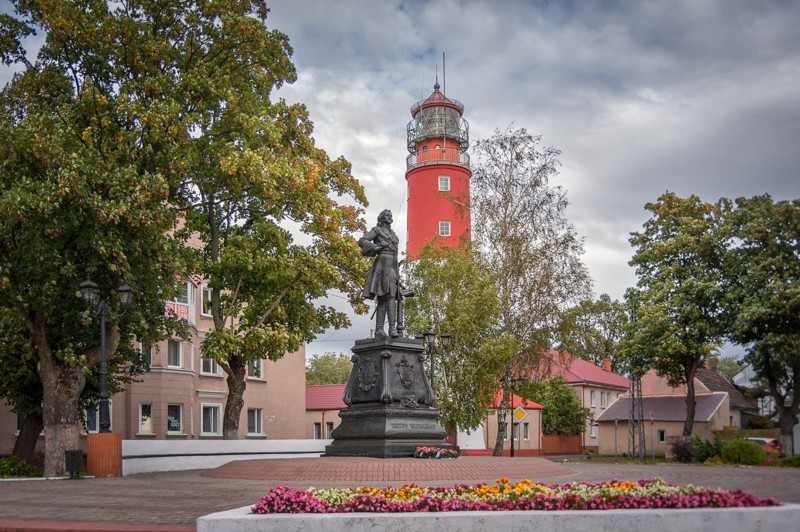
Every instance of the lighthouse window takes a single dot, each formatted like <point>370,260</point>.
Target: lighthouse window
<point>424,149</point>
<point>444,183</point>
<point>444,228</point>
<point>437,147</point>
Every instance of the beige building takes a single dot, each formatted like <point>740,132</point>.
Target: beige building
<point>323,402</point>
<point>183,395</point>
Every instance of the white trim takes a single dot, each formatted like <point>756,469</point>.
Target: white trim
<point>259,424</point>
<point>180,353</point>
<point>179,432</point>
<point>96,416</point>
<point>146,432</point>
<point>260,376</point>
<point>444,183</point>
<point>444,228</point>
<point>209,394</point>
<point>216,423</point>
<point>204,288</point>
<point>217,370</point>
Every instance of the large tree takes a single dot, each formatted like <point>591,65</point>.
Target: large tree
<point>519,222</point>
<point>183,91</point>
<point>563,412</point>
<point>678,299</point>
<point>329,368</point>
<point>456,293</point>
<point>763,298</point>
<point>593,329</point>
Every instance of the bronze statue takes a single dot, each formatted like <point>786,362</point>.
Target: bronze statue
<point>383,280</point>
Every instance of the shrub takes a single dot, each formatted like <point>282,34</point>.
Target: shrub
<point>11,466</point>
<point>704,450</point>
<point>743,452</point>
<point>790,461</point>
<point>683,450</point>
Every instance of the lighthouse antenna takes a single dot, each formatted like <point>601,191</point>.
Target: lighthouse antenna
<point>444,77</point>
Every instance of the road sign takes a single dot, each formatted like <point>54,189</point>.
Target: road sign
<point>519,414</point>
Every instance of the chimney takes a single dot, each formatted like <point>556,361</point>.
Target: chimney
<point>607,364</point>
<point>564,358</point>
<point>712,364</point>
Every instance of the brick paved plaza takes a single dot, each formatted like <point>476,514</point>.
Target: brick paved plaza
<point>172,501</point>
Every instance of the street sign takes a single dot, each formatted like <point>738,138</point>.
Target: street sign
<point>519,414</point>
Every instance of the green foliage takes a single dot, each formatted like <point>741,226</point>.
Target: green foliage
<point>592,330</point>
<point>728,367</point>
<point>706,449</point>
<point>329,368</point>
<point>742,452</point>
<point>456,292</point>
<point>763,296</point>
<point>563,413</point>
<point>790,461</point>
<point>11,466</point>
<point>678,298</point>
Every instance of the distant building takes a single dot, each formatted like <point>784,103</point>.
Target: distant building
<point>323,403</point>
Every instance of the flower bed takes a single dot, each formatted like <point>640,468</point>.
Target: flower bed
<point>435,452</point>
<point>523,495</point>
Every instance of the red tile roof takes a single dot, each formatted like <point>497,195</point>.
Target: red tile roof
<point>578,371</point>
<point>325,396</point>
<point>516,400</point>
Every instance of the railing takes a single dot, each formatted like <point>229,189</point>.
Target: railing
<point>443,156</point>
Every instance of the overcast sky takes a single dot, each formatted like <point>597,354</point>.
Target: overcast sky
<point>695,97</point>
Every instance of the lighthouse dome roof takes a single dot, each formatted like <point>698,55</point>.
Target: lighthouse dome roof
<point>437,98</point>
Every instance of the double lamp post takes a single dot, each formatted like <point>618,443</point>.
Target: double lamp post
<point>431,348</point>
<point>99,308</point>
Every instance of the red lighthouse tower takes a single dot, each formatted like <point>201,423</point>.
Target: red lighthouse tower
<point>437,173</point>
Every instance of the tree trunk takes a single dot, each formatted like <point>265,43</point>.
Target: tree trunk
<point>787,419</point>
<point>501,425</point>
<point>25,446</point>
<point>690,407</point>
<point>62,388</point>
<point>237,383</point>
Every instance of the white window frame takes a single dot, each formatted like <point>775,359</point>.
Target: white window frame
<point>180,418</point>
<point>214,370</point>
<point>258,418</point>
<point>95,414</point>
<point>260,364</point>
<point>444,228</point>
<point>526,431</point>
<point>591,398</point>
<point>593,430</point>
<point>205,296</point>
<point>142,430</point>
<point>146,352</point>
<point>317,431</point>
<point>444,183</point>
<point>603,400</point>
<point>180,353</point>
<point>328,429</point>
<point>216,420</point>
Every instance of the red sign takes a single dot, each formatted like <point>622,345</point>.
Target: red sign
<point>180,310</point>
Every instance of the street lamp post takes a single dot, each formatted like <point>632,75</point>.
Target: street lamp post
<point>509,384</point>
<point>99,308</point>
<point>429,341</point>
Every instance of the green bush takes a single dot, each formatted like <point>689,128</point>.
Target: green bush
<point>706,449</point>
<point>11,466</point>
<point>790,461</point>
<point>743,452</point>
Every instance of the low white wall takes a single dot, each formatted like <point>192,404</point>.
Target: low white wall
<point>775,518</point>
<point>149,456</point>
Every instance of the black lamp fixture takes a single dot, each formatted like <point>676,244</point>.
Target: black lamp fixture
<point>431,348</point>
<point>91,297</point>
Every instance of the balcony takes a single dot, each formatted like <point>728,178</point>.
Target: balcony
<point>443,156</point>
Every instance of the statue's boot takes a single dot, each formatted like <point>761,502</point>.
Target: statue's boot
<point>380,314</point>
<point>392,319</point>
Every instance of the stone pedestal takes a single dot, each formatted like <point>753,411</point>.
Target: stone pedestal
<point>390,408</point>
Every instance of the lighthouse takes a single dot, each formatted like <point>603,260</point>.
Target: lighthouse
<point>437,173</point>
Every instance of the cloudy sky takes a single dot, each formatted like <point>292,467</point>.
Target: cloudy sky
<point>695,97</point>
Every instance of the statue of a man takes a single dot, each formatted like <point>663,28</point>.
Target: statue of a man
<point>382,282</point>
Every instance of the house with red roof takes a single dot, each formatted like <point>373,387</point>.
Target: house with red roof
<point>323,402</point>
<point>527,418</point>
<point>596,387</point>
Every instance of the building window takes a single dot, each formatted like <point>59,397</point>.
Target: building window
<point>593,430</point>
<point>146,418</point>
<point>174,419</point>
<point>175,353</point>
<point>444,183</point>
<point>93,418</point>
<point>526,431</point>
<point>328,429</point>
<point>424,149</point>
<point>317,431</point>
<point>444,228</point>
<point>662,436</point>
<point>515,430</point>
<point>146,351</point>
<point>205,301</point>
<point>591,398</point>
<point>437,147</point>
<point>210,420</point>
<point>255,426</point>
<point>209,366</point>
<point>184,292</point>
<point>602,399</point>
<point>254,369</point>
